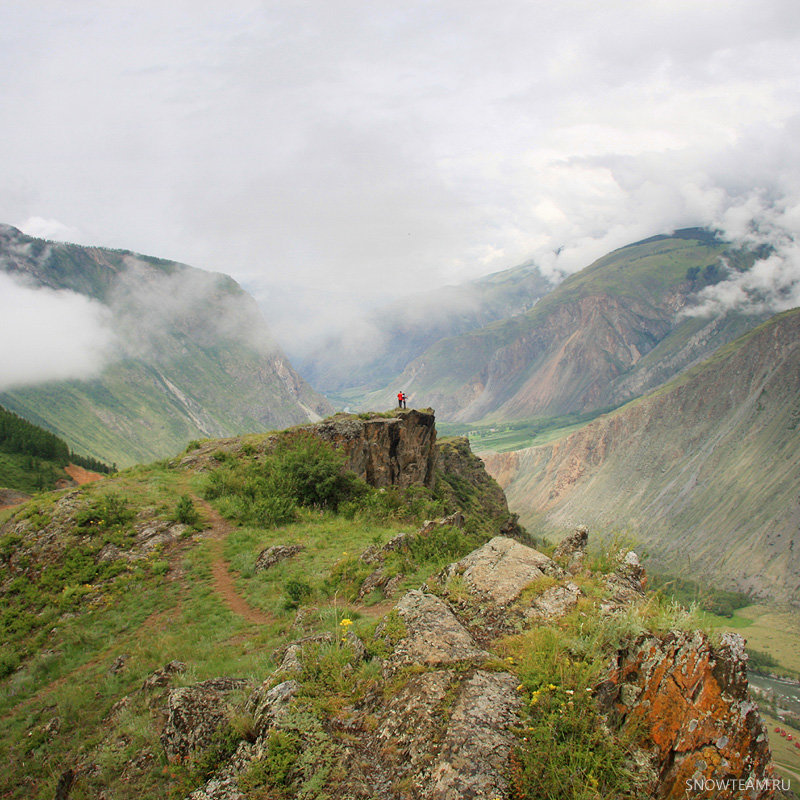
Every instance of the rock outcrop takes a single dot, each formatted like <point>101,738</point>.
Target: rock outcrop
<point>271,556</point>
<point>398,450</point>
<point>691,700</point>
<point>196,713</point>
<point>443,719</point>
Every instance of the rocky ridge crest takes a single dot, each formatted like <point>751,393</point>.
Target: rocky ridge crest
<point>443,722</point>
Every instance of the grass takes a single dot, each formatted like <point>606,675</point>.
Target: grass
<point>768,630</point>
<point>503,436</point>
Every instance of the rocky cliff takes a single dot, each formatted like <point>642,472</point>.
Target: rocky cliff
<point>398,449</point>
<point>706,466</point>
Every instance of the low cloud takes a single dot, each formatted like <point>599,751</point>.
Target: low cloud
<point>52,229</point>
<point>50,335</point>
<point>158,313</point>
<point>773,283</point>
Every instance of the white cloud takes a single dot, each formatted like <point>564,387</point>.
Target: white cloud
<point>49,229</point>
<point>50,335</point>
<point>369,150</point>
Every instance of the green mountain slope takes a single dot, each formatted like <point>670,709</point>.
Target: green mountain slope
<point>703,471</point>
<point>193,356</point>
<point>369,352</point>
<point>584,345</point>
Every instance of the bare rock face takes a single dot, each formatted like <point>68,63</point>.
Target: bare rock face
<point>385,451</point>
<point>434,638</point>
<point>692,701</point>
<point>571,550</point>
<point>502,568</point>
<point>554,602</point>
<point>274,555</point>
<point>474,753</point>
<point>195,714</point>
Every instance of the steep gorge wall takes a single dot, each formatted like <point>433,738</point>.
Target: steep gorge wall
<point>704,472</point>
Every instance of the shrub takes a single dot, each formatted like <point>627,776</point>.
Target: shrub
<point>312,472</point>
<point>296,591</point>
<point>185,512</point>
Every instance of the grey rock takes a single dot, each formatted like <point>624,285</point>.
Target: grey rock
<point>474,755</point>
<point>554,602</point>
<point>196,713</point>
<point>274,555</point>
<point>502,568</point>
<point>571,550</point>
<point>434,637</point>
<point>163,675</point>
<point>269,705</point>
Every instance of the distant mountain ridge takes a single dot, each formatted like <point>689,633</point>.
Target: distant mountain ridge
<point>374,349</point>
<point>194,357</point>
<point>702,471</point>
<point>605,334</point>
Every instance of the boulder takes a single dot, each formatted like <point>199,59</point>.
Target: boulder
<point>434,637</point>
<point>273,555</point>
<point>195,713</point>
<point>502,568</point>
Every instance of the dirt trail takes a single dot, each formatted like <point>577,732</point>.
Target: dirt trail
<point>223,580</point>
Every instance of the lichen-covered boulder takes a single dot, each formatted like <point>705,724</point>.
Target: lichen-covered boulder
<point>434,637</point>
<point>502,568</point>
<point>690,699</point>
<point>473,758</point>
<point>554,602</point>
<point>195,713</point>
<point>271,556</point>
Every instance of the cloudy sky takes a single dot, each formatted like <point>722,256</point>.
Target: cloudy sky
<point>328,153</point>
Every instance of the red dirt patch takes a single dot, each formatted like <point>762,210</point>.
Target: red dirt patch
<point>81,475</point>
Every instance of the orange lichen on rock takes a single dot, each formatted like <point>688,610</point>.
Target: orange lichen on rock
<point>689,699</point>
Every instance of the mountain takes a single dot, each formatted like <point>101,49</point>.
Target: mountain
<point>604,335</point>
<point>370,351</point>
<point>703,471</point>
<point>297,630</point>
<point>192,355</point>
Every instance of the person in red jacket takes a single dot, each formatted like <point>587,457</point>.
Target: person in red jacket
<point>399,399</point>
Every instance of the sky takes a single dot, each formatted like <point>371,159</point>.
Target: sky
<point>333,155</point>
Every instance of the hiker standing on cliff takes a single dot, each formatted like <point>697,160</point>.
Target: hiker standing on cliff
<point>404,398</point>
<point>400,397</point>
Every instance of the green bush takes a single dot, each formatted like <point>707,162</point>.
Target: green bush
<point>301,471</point>
<point>312,472</point>
<point>185,512</point>
<point>296,591</point>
